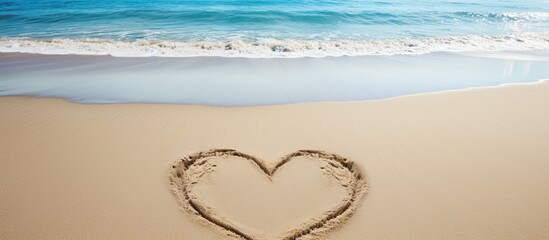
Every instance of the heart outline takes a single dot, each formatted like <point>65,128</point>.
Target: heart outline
<point>319,226</point>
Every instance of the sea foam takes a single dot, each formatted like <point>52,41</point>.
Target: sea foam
<point>277,48</point>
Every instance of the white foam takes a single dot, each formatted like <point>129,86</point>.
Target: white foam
<point>528,16</point>
<point>274,48</point>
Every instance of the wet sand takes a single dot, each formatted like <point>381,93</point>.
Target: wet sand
<point>218,81</point>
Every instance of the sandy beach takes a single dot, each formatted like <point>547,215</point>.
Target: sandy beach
<point>470,164</point>
<point>274,120</point>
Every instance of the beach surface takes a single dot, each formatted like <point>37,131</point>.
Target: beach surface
<point>237,82</point>
<point>470,164</point>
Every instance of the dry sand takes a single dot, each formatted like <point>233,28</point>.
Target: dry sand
<point>457,165</point>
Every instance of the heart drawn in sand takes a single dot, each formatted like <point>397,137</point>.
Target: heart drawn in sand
<point>190,170</point>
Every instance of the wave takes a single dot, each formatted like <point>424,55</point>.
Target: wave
<point>254,16</point>
<point>284,48</point>
<point>270,14</point>
<point>511,16</point>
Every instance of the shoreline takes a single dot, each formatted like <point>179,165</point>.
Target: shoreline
<point>278,48</point>
<point>505,85</point>
<point>233,82</point>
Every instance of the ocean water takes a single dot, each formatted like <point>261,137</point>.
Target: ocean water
<point>267,51</point>
<point>271,28</point>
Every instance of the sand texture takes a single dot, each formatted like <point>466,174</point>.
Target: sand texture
<point>457,165</point>
<point>190,170</point>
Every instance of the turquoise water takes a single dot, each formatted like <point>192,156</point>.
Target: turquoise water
<point>267,27</point>
<point>462,44</point>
